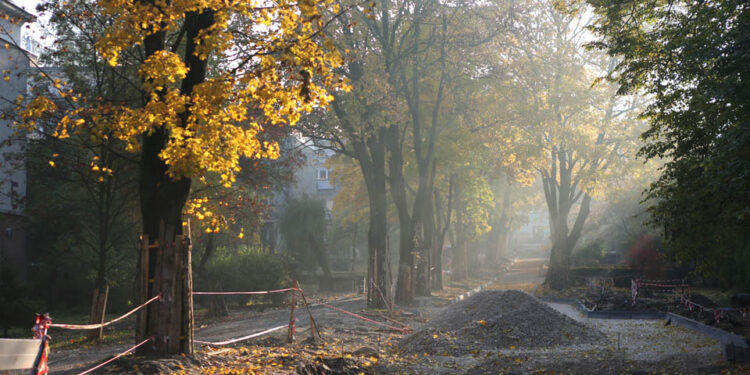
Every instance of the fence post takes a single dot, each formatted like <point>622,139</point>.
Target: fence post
<point>293,302</point>
<point>98,310</point>
<point>143,288</point>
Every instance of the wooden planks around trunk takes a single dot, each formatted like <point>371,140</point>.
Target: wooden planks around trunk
<point>168,320</point>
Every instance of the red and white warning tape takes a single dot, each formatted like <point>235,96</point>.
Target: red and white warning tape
<point>360,317</point>
<point>636,285</point>
<point>232,341</point>
<point>100,325</point>
<point>115,357</point>
<point>245,293</point>
<point>665,286</point>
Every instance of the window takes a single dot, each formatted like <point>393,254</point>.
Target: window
<point>322,174</point>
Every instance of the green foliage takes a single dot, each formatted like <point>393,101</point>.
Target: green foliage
<point>692,59</point>
<point>16,307</point>
<point>246,269</point>
<point>303,225</point>
<point>592,250</point>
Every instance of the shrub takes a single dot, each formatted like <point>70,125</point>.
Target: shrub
<point>592,250</point>
<point>16,308</point>
<point>247,270</point>
<point>644,257</point>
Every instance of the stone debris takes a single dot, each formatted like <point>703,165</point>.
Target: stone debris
<point>493,320</point>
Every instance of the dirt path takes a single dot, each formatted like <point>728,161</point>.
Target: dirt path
<point>651,340</point>
<point>630,346</point>
<point>347,332</point>
<point>523,275</point>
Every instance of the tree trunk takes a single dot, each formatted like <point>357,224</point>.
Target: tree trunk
<point>217,306</point>
<point>372,165</point>
<point>354,247</point>
<point>320,256</point>
<point>166,265</point>
<point>166,272</point>
<point>460,261</point>
<point>407,260</point>
<point>423,222</point>
<point>98,310</point>
<point>436,278</point>
<point>563,243</point>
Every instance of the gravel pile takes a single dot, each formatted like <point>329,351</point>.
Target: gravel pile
<point>496,319</point>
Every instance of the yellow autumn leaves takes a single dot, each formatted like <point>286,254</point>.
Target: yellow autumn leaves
<point>268,69</point>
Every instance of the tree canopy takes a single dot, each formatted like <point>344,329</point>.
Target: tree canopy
<point>691,59</point>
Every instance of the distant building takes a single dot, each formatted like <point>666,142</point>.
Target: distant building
<point>313,179</point>
<point>14,64</point>
<point>533,237</point>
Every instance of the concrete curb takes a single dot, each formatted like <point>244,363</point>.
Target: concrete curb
<point>461,297</point>
<point>473,291</point>
<point>605,314</point>
<point>727,339</point>
<point>731,344</point>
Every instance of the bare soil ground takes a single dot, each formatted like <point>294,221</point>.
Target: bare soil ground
<point>619,299</point>
<point>352,346</point>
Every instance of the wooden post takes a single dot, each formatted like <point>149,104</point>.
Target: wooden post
<point>168,320</point>
<point>293,302</point>
<point>175,307</point>
<point>143,283</point>
<point>98,310</point>
<point>187,338</point>
<point>313,326</point>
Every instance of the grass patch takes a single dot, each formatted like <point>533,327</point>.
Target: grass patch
<point>80,341</point>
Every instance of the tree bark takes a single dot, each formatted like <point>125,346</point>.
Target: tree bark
<point>372,164</point>
<point>560,190</point>
<point>407,263</point>
<point>423,222</point>
<point>460,261</point>
<point>320,256</point>
<point>441,230</point>
<point>162,200</point>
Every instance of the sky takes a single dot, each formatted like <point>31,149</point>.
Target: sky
<point>36,30</point>
<point>29,5</point>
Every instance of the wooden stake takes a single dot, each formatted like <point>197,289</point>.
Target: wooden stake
<point>175,308</point>
<point>293,302</point>
<point>313,326</point>
<point>188,294</point>
<point>293,305</point>
<point>98,310</point>
<point>143,292</point>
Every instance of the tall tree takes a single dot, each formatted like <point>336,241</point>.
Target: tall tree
<point>691,58</point>
<point>584,131</point>
<point>356,127</point>
<point>193,119</point>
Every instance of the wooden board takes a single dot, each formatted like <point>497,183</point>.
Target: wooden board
<point>18,354</point>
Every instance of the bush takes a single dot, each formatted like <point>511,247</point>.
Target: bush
<point>644,257</point>
<point>16,308</point>
<point>592,250</point>
<point>247,270</point>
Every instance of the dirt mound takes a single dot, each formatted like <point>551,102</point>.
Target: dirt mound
<point>497,320</point>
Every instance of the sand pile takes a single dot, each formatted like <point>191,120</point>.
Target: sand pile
<point>492,320</point>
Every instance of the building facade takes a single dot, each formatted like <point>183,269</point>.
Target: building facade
<point>313,179</point>
<point>14,65</point>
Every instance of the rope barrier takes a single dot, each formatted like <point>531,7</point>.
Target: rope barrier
<point>636,285</point>
<point>360,317</point>
<point>245,293</point>
<point>100,325</point>
<point>115,357</point>
<point>664,285</point>
<point>232,341</point>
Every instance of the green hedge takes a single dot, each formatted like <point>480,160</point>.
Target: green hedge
<point>246,269</point>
